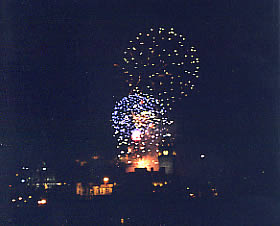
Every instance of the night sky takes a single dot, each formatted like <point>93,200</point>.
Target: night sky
<point>58,56</point>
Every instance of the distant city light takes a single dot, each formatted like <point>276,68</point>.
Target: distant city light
<point>202,156</point>
<point>155,184</point>
<point>42,202</point>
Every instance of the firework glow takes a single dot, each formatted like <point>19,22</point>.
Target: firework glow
<point>160,66</point>
<point>140,123</point>
<point>161,62</point>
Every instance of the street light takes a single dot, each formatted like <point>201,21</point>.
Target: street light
<point>106,180</point>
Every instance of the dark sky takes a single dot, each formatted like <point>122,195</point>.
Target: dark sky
<point>57,58</point>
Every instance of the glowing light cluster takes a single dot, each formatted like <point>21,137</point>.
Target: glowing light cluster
<point>139,123</point>
<point>161,62</point>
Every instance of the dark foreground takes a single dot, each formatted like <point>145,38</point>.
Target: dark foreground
<point>153,210</point>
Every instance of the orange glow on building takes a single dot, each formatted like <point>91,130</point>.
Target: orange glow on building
<point>103,189</point>
<point>148,161</point>
<point>79,189</point>
<point>142,163</point>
